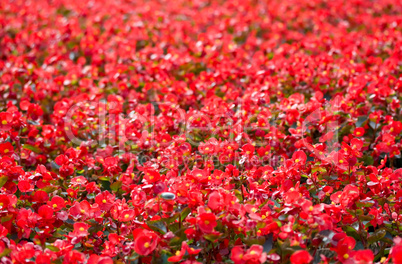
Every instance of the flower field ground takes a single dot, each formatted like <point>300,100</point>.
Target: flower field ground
<point>200,131</point>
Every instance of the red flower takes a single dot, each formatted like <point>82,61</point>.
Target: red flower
<point>178,255</point>
<point>5,121</point>
<point>237,255</point>
<point>200,175</point>
<point>46,212</point>
<point>359,132</point>
<point>6,149</point>
<point>349,194</point>
<point>105,200</point>
<point>396,251</point>
<point>206,222</point>
<point>80,230</point>
<point>127,215</point>
<point>248,150</point>
<point>145,242</point>
<point>57,203</point>
<point>95,259</point>
<point>215,200</point>
<point>84,209</point>
<point>110,165</point>
<point>301,257</point>
<point>4,202</point>
<point>41,196</point>
<point>344,246</point>
<point>299,157</point>
<point>73,256</point>
<point>364,257</point>
<point>184,248</point>
<point>279,125</point>
<point>25,186</point>
<point>151,175</point>
<point>255,254</point>
<point>78,181</point>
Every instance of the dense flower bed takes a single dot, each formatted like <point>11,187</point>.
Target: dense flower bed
<point>203,131</point>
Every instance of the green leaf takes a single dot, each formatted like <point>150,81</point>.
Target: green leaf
<point>174,227</point>
<point>163,259</point>
<point>350,231</point>
<point>320,169</point>
<point>176,241</point>
<point>103,178</point>
<point>157,226</point>
<point>49,189</point>
<point>212,237</point>
<point>5,252</point>
<point>364,218</point>
<point>238,195</point>
<point>116,186</point>
<point>263,204</point>
<point>365,204</point>
<point>387,240</point>
<point>359,245</point>
<point>377,236</point>
<point>186,211</point>
<point>54,165</point>
<point>32,148</point>
<point>359,212</point>
<point>6,218</point>
<point>368,160</point>
<point>268,243</point>
<point>53,248</point>
<point>255,240</point>
<point>171,219</point>
<point>105,185</point>
<point>3,181</point>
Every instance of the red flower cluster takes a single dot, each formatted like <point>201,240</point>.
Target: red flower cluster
<point>200,131</point>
